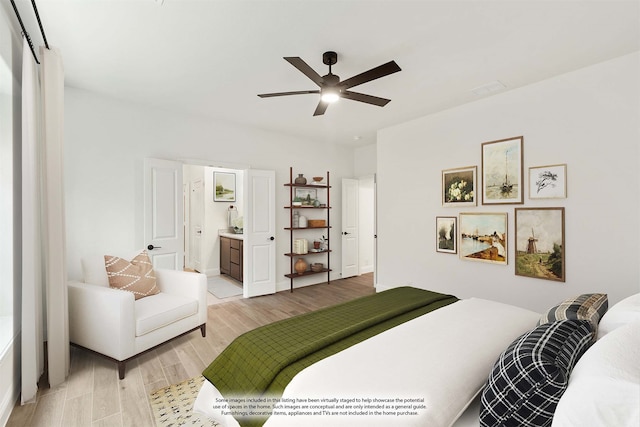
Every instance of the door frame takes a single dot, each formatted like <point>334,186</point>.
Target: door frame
<point>205,163</point>
<point>374,209</point>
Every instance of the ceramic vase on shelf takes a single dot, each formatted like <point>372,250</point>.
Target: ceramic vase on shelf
<point>300,266</point>
<point>300,180</point>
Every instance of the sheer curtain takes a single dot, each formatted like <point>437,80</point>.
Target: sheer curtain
<point>54,219</point>
<point>44,276</point>
<point>32,268</point>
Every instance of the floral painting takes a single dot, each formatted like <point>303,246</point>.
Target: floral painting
<point>459,186</point>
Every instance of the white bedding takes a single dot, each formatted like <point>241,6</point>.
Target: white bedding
<point>443,357</point>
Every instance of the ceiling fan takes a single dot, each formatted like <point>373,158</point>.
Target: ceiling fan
<point>331,88</point>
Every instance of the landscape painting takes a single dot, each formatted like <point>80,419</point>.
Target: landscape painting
<point>502,173</point>
<point>224,184</point>
<point>446,234</point>
<point>483,237</point>
<point>540,249</point>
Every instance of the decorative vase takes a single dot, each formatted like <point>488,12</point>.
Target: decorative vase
<point>300,266</point>
<point>300,180</point>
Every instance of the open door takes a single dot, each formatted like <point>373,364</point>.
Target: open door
<point>163,214</point>
<point>350,243</point>
<point>259,263</point>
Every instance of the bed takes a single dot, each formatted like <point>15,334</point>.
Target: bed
<point>421,373</point>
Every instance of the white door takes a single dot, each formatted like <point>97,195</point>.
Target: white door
<point>196,220</point>
<point>350,228</point>
<point>163,221</point>
<point>259,262</point>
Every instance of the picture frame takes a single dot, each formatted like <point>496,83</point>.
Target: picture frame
<point>540,244</point>
<point>224,187</point>
<point>483,237</point>
<point>307,195</point>
<point>502,173</point>
<point>548,182</point>
<point>459,187</point>
<point>446,234</point>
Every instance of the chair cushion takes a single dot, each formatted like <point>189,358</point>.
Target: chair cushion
<point>134,276</point>
<point>160,310</point>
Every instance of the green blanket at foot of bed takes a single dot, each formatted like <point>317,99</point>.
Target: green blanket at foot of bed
<point>265,359</point>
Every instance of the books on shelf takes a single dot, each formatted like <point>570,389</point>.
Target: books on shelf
<point>300,246</point>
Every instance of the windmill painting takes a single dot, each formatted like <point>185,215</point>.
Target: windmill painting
<point>540,246</point>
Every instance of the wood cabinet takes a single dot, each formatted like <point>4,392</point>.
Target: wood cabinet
<point>318,225</point>
<point>231,257</point>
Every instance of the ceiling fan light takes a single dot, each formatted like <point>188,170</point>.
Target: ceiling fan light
<point>329,96</point>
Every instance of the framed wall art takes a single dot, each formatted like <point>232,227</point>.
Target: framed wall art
<point>502,175</point>
<point>224,184</point>
<point>483,237</point>
<point>548,182</point>
<point>540,248</point>
<point>459,187</point>
<point>446,230</point>
<point>306,195</point>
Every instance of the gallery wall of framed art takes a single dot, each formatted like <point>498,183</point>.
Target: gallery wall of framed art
<point>483,235</point>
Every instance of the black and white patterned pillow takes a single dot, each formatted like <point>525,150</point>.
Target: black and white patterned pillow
<point>531,375</point>
<point>589,307</point>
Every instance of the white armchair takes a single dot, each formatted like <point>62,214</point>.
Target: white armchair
<point>112,323</point>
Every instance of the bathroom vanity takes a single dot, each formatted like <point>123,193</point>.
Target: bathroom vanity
<point>231,255</point>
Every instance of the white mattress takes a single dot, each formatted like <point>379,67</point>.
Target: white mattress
<point>443,357</point>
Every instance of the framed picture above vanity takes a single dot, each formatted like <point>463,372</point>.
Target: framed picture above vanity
<point>224,184</point>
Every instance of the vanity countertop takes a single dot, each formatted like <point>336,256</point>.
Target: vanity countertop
<point>233,236</point>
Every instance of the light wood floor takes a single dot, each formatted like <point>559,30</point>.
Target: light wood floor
<point>93,396</point>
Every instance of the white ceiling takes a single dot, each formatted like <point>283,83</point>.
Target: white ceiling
<point>213,57</point>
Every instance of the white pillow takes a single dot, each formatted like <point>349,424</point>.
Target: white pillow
<point>604,387</point>
<point>622,313</point>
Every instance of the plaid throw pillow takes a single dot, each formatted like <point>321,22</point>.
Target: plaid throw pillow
<point>589,307</point>
<point>134,276</point>
<point>531,375</point>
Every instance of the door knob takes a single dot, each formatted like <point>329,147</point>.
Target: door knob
<point>272,238</point>
<point>151,247</point>
<point>344,233</point>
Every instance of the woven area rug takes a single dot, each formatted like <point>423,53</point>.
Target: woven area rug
<point>172,406</point>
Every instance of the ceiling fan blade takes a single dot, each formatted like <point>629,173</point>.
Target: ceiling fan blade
<point>305,69</point>
<point>321,108</point>
<point>299,92</point>
<point>369,99</point>
<point>374,73</point>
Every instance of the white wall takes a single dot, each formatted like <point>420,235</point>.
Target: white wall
<point>106,141</point>
<point>364,160</point>
<point>588,119</point>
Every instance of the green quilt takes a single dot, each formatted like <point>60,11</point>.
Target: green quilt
<point>264,360</point>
